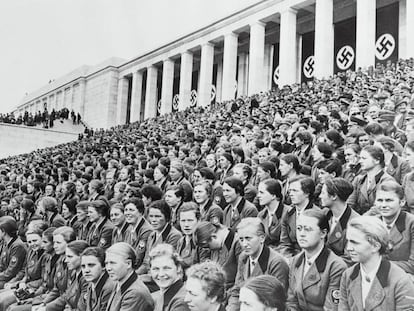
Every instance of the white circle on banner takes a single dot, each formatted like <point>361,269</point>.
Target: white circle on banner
<point>213,92</point>
<point>385,46</point>
<point>276,75</point>
<point>176,101</point>
<point>345,57</point>
<point>193,98</point>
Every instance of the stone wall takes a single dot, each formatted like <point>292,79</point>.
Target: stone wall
<point>16,139</point>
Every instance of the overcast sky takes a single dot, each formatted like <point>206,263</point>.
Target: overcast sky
<point>45,39</point>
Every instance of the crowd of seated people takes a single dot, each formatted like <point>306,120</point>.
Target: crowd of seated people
<point>46,119</point>
<point>296,199</point>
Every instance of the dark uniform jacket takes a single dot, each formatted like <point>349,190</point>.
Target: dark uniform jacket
<point>363,198</point>
<point>172,299</point>
<point>398,168</point>
<point>402,242</point>
<point>119,234</point>
<point>288,243</point>
<point>97,296</point>
<point>243,209</point>
<point>318,290</point>
<point>12,259</point>
<point>33,269</point>
<point>211,209</point>
<point>269,263</point>
<point>60,280</point>
<point>337,238</point>
<point>169,235</point>
<point>272,226</point>
<point>100,234</point>
<point>392,289</point>
<point>138,237</point>
<point>132,295</point>
<point>48,272</point>
<point>189,252</point>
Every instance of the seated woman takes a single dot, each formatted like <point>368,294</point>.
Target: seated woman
<point>74,296</point>
<point>202,196</point>
<point>26,285</point>
<point>13,252</point>
<point>174,198</point>
<point>100,232</point>
<point>373,283</point>
<point>131,293</point>
<point>315,273</point>
<point>118,220</point>
<point>100,286</point>
<point>166,269</point>
<point>400,224</point>
<point>262,293</point>
<point>50,207</point>
<point>205,290</point>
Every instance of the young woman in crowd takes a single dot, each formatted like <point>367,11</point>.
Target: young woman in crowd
<point>74,297</point>
<point>315,262</point>
<point>51,212</point>
<point>271,199</point>
<point>69,213</point>
<point>262,293</point>
<point>117,218</point>
<point>167,271</point>
<point>373,282</point>
<point>159,216</point>
<point>365,186</point>
<point>174,197</point>
<point>82,218</point>
<point>301,192</point>
<point>266,170</point>
<point>26,215</point>
<point>408,181</point>
<point>226,164</point>
<point>132,294</point>
<point>205,289</point>
<point>244,173</point>
<point>352,167</point>
<point>81,189</point>
<point>238,207</point>
<point>389,202</point>
<point>14,251</point>
<point>161,177</point>
<point>289,170</point>
<point>202,196</point>
<point>100,232</point>
<point>100,286</point>
<point>139,229</point>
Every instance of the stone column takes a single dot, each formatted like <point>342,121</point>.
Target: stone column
<point>242,75</point>
<point>136,94</point>
<point>287,46</point>
<point>167,86</point>
<point>409,27</point>
<point>82,97</point>
<point>268,62</point>
<point>122,101</point>
<point>219,84</point>
<point>206,75</point>
<point>151,93</point>
<point>324,39</point>
<point>365,33</point>
<point>186,74</point>
<point>256,58</point>
<point>229,65</point>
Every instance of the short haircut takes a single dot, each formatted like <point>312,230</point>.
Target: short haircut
<point>340,187</point>
<point>152,191</point>
<point>190,207</point>
<point>269,290</point>
<point>323,221</point>
<point>97,252</point>
<point>392,186</point>
<point>101,207</point>
<point>374,230</point>
<point>236,184</point>
<point>292,159</point>
<point>376,153</point>
<point>165,249</point>
<point>124,250</point>
<point>252,222</point>
<point>163,207</point>
<point>66,232</point>
<point>274,187</point>
<point>246,169</point>
<point>137,202</point>
<point>77,246</point>
<point>307,185</point>
<point>212,277</point>
<point>206,185</point>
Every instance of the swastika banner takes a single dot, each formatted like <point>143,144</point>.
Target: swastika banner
<point>386,44</point>
<point>275,66</point>
<point>344,45</point>
<point>308,60</point>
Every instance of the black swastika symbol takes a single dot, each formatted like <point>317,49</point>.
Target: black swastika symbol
<point>384,46</point>
<point>309,67</point>
<point>345,57</point>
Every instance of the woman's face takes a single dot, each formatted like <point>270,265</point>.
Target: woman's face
<point>188,222</point>
<point>249,301</point>
<point>264,196</point>
<point>59,244</point>
<point>79,187</point>
<point>308,233</point>
<point>211,160</point>
<point>238,172</point>
<point>175,174</point>
<point>164,271</point>
<point>91,268</point>
<point>117,266</point>
<point>156,219</point>
<point>171,199</point>
<point>224,163</point>
<point>123,174</point>
<point>409,156</point>
<point>46,245</point>
<point>157,174</point>
<point>316,154</point>
<point>117,217</point>
<point>93,214</point>
<point>262,174</point>
<point>284,168</point>
<point>65,211</point>
<point>81,214</point>
<point>34,241</point>
<point>367,161</point>
<point>197,176</point>
<point>73,261</point>
<point>358,247</point>
<point>200,194</point>
<point>132,215</point>
<point>196,297</point>
<point>351,157</point>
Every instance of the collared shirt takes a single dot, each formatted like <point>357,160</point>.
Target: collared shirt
<point>309,261</point>
<point>389,226</point>
<point>366,281</point>
<point>335,220</point>
<point>253,262</point>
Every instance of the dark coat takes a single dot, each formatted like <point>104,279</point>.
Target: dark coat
<point>97,297</point>
<point>172,299</point>
<point>273,230</point>
<point>244,209</point>
<point>138,237</point>
<point>12,259</point>
<point>100,235</point>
